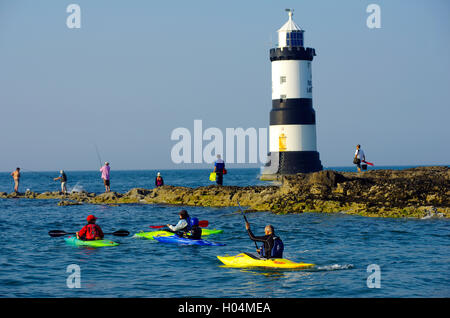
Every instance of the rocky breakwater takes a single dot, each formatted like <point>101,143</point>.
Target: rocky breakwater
<point>419,192</point>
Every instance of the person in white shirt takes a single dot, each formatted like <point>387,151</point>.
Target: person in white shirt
<point>359,156</point>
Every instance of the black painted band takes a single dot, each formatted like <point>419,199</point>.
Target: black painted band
<point>299,162</point>
<point>292,53</point>
<point>298,111</point>
<point>292,162</point>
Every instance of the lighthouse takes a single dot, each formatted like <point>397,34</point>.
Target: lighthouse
<point>292,131</point>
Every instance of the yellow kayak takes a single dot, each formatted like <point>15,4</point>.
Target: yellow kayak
<point>250,260</point>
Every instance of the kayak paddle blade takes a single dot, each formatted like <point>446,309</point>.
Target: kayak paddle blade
<point>121,233</point>
<point>57,233</point>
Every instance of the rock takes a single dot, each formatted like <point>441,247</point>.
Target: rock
<point>326,178</point>
<point>66,203</point>
<point>138,193</point>
<point>382,193</point>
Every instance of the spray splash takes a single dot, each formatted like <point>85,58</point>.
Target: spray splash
<point>334,267</point>
<point>77,188</point>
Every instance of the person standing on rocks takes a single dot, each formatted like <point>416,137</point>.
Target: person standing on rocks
<point>105,176</point>
<point>219,169</point>
<point>16,176</point>
<point>63,178</point>
<point>359,156</point>
<point>159,181</point>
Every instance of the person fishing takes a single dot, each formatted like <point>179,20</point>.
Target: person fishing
<point>63,178</point>
<point>91,231</point>
<point>105,176</point>
<point>183,226</point>
<point>159,181</point>
<point>272,247</point>
<point>219,169</point>
<point>16,176</point>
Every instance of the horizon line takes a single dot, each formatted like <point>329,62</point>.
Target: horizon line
<point>240,168</point>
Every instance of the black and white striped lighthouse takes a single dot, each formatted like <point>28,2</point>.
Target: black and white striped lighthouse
<point>292,132</point>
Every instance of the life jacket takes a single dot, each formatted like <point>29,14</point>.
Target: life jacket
<point>189,224</point>
<point>195,233</point>
<point>277,249</point>
<point>159,181</point>
<point>91,232</point>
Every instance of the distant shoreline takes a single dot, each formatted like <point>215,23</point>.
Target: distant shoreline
<point>336,168</point>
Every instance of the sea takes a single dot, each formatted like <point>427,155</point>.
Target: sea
<point>354,256</point>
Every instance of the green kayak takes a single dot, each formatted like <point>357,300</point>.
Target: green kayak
<point>71,240</point>
<point>150,235</point>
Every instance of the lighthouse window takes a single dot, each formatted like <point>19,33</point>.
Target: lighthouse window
<point>294,39</point>
<point>282,79</point>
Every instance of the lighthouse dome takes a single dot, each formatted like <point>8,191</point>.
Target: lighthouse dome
<point>290,34</point>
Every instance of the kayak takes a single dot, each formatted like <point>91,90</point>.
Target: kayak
<point>150,235</point>
<point>185,241</point>
<point>250,260</point>
<point>96,243</point>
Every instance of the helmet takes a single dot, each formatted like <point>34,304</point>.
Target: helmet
<point>91,218</point>
<point>194,221</point>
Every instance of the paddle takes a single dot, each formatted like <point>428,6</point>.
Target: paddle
<point>369,163</point>
<point>203,223</point>
<point>245,218</point>
<point>57,233</point>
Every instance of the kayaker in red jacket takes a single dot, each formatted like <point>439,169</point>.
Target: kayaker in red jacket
<point>91,231</point>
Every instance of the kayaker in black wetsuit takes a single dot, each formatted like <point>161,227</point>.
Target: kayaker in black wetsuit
<point>272,245</point>
<point>195,233</point>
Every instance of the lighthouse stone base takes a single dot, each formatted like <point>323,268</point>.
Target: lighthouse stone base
<point>289,163</point>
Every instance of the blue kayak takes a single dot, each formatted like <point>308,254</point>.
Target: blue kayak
<point>185,241</point>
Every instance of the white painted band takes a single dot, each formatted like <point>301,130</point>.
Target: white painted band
<point>292,138</point>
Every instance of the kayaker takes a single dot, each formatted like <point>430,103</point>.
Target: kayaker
<point>272,245</point>
<point>184,225</point>
<point>195,233</point>
<point>91,231</point>
<point>63,178</point>
<point>159,181</point>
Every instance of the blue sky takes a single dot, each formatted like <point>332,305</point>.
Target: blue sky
<point>136,70</point>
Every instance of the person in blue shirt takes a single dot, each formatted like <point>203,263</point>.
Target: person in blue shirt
<point>63,178</point>
<point>219,168</point>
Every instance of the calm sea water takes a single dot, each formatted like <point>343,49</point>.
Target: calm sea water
<point>413,255</point>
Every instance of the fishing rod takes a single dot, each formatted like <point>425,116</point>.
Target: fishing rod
<point>98,155</point>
